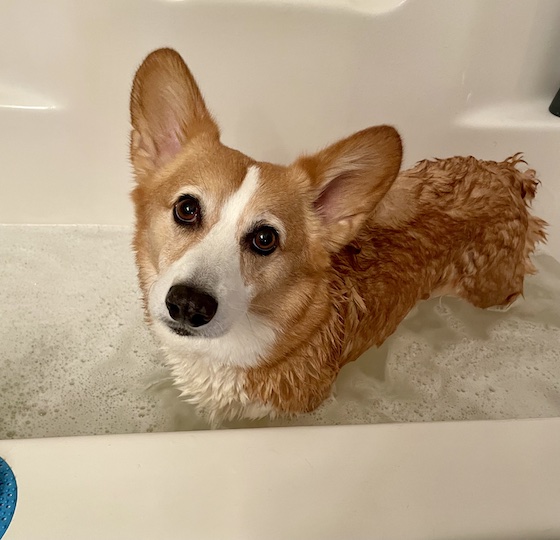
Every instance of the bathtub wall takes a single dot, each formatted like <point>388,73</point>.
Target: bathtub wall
<point>470,77</point>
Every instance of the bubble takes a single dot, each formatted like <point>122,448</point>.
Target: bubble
<point>76,357</point>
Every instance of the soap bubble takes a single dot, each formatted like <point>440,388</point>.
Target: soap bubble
<point>77,358</point>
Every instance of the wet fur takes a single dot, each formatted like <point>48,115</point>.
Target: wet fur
<point>457,226</point>
<point>362,245</point>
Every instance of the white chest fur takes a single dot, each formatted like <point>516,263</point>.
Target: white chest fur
<point>215,387</point>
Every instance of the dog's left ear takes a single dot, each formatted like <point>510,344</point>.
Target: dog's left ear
<point>166,110</point>
<point>349,179</point>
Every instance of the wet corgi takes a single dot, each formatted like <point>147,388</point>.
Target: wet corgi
<point>261,281</point>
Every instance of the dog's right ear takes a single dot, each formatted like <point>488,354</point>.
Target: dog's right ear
<point>166,109</point>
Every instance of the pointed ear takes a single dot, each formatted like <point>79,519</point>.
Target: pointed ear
<point>166,109</point>
<point>349,179</point>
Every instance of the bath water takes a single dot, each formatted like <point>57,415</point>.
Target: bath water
<point>76,357</point>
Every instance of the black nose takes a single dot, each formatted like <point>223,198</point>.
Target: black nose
<point>190,306</point>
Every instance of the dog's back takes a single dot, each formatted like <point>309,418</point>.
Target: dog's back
<point>457,226</point>
<point>488,203</point>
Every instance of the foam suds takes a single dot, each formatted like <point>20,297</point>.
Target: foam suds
<point>76,357</point>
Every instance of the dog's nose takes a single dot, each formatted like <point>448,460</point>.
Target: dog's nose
<point>190,306</point>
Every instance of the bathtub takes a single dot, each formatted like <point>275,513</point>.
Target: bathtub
<point>282,76</point>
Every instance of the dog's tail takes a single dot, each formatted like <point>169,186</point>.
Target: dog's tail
<point>526,183</point>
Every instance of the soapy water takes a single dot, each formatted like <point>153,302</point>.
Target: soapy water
<point>76,357</point>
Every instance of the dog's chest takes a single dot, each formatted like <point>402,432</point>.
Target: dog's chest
<point>217,390</point>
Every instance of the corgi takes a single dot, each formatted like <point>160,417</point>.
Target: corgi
<point>262,281</point>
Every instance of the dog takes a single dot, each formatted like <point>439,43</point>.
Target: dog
<point>262,281</point>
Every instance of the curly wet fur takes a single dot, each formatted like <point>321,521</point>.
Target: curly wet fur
<point>361,245</point>
<point>452,226</point>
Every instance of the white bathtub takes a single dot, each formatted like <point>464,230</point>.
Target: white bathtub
<point>470,77</point>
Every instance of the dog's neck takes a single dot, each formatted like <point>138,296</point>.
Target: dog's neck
<point>366,303</point>
<point>299,372</point>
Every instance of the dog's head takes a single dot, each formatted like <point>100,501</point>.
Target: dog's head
<point>234,254</point>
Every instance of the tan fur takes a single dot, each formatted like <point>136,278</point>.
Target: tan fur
<point>359,245</point>
<point>458,225</point>
<point>157,242</point>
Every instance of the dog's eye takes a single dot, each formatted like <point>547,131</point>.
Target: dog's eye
<point>187,211</point>
<point>264,240</point>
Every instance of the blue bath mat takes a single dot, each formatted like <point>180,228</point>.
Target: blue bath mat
<point>8,496</point>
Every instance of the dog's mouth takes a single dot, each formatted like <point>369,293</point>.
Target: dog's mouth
<point>185,331</point>
<point>180,330</point>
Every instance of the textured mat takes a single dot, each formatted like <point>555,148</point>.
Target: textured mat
<point>8,496</point>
